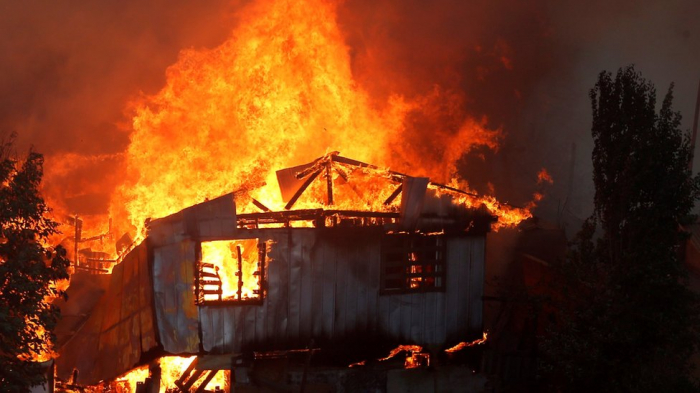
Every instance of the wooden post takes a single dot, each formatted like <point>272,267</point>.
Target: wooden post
<point>240,273</point>
<point>329,183</point>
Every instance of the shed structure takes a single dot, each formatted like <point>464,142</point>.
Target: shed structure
<point>353,281</point>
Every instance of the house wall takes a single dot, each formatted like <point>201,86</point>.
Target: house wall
<point>324,284</point>
<point>120,328</point>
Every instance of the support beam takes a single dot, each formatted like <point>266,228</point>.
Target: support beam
<point>329,183</point>
<point>393,195</point>
<point>301,189</point>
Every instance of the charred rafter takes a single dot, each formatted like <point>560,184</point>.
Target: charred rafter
<point>393,195</point>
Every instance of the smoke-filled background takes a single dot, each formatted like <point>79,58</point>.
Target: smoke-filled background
<point>69,72</point>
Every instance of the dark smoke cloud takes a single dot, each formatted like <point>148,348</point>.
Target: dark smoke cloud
<point>528,67</point>
<point>68,70</point>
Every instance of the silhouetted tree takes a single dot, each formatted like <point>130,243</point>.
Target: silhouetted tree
<point>628,322</point>
<point>28,270</point>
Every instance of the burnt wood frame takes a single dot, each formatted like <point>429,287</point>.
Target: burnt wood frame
<point>404,244</point>
<point>204,278</point>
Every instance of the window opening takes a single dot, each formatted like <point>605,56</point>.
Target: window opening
<point>231,271</point>
<point>412,263</point>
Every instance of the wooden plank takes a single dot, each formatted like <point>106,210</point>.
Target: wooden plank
<point>301,189</point>
<point>206,381</point>
<point>329,184</point>
<point>393,195</point>
<point>180,381</point>
<point>185,387</point>
<point>260,205</point>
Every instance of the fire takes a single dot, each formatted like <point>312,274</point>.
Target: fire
<point>172,367</point>
<point>224,256</point>
<point>544,177</point>
<point>402,348</point>
<point>463,345</point>
<point>279,91</point>
<point>415,359</point>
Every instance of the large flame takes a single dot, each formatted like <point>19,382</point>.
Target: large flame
<point>278,93</point>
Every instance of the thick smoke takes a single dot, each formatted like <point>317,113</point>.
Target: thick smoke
<point>69,71</point>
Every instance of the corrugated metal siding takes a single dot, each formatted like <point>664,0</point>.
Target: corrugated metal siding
<point>325,284</point>
<point>120,329</point>
<point>173,290</point>
<point>174,240</point>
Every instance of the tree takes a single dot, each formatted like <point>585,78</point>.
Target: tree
<point>28,271</point>
<point>628,321</point>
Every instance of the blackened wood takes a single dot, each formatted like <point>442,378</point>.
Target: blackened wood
<point>185,374</point>
<point>395,176</point>
<point>393,195</point>
<point>206,381</point>
<point>301,189</point>
<point>195,376</point>
<point>456,190</point>
<point>240,273</point>
<point>329,183</point>
<point>260,206</point>
<point>262,255</point>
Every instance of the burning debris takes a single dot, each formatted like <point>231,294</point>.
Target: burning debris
<point>463,345</point>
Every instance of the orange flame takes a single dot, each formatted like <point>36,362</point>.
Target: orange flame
<point>279,92</point>
<point>172,367</point>
<point>544,177</point>
<point>463,345</point>
<point>402,348</point>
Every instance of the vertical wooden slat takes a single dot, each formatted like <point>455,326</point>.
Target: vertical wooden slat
<point>328,290</point>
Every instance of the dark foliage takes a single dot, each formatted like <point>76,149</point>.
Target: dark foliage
<point>28,268</point>
<point>628,322</point>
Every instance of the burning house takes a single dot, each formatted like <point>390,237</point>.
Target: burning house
<point>230,277</point>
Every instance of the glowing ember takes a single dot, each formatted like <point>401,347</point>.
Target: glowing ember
<point>133,377</point>
<point>402,348</point>
<point>463,345</point>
